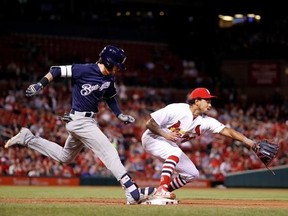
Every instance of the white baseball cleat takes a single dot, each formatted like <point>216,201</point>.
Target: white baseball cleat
<point>21,138</point>
<point>162,192</point>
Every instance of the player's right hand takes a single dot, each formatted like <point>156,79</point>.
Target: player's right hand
<point>127,119</point>
<point>173,136</point>
<point>33,89</point>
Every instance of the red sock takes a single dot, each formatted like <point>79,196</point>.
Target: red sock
<point>168,170</point>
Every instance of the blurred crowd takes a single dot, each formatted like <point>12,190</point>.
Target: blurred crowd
<point>214,155</point>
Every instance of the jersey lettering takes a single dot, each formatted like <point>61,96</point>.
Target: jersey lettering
<point>88,89</point>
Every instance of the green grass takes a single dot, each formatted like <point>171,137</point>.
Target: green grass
<point>65,208</point>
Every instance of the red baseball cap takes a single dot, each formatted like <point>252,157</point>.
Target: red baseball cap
<point>200,93</point>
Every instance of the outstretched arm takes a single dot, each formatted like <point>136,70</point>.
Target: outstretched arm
<point>55,71</point>
<point>34,88</point>
<point>264,150</point>
<point>229,132</point>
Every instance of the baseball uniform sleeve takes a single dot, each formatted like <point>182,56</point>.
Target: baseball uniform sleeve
<point>167,116</point>
<point>211,124</point>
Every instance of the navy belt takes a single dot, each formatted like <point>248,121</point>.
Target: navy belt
<point>84,114</point>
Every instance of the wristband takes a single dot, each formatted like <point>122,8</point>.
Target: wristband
<point>44,81</point>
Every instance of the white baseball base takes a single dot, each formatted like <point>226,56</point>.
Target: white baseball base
<point>160,201</point>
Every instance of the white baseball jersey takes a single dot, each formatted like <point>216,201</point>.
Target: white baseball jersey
<point>178,117</point>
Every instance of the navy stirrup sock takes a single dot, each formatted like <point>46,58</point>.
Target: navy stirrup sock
<point>127,182</point>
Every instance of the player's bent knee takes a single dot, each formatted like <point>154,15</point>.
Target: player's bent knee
<point>177,152</point>
<point>191,176</point>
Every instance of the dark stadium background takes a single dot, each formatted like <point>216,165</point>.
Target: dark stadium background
<point>225,57</point>
<point>190,27</point>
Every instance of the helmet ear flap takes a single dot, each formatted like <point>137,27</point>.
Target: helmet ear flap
<point>108,64</point>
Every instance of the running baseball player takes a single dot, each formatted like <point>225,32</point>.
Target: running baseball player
<point>90,84</point>
<point>174,124</point>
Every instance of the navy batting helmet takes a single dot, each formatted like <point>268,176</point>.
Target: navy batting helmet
<point>112,56</point>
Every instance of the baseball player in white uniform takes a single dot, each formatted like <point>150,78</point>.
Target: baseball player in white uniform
<point>168,127</point>
<point>91,83</point>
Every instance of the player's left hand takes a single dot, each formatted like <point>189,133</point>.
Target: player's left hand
<point>127,119</point>
<point>33,89</point>
<point>266,151</point>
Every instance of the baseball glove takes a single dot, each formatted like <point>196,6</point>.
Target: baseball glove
<point>266,151</point>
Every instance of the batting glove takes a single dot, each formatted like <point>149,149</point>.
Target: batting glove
<point>33,89</point>
<point>127,119</point>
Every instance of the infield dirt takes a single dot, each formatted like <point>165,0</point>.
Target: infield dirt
<point>203,202</point>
